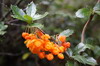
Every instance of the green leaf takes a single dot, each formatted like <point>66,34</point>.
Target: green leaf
<point>97,8</point>
<point>2,32</point>
<point>91,61</point>
<point>37,16</point>
<point>25,56</point>
<point>79,58</point>
<point>31,9</point>
<point>82,47</point>
<point>2,28</point>
<point>84,12</point>
<point>97,12</point>
<point>69,52</point>
<point>66,33</point>
<point>37,25</point>
<point>69,63</point>
<point>18,13</point>
<point>84,60</point>
<point>28,18</point>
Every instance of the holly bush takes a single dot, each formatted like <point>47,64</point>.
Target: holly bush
<point>56,37</point>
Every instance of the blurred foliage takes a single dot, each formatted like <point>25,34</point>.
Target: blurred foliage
<point>61,17</point>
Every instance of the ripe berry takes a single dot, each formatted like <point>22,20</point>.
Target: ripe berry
<point>49,56</point>
<point>62,38</point>
<point>60,56</point>
<point>24,34</point>
<point>41,55</point>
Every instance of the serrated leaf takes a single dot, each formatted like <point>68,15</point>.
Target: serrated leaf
<point>37,16</point>
<point>18,13</point>
<point>31,9</point>
<point>82,47</point>
<point>69,63</point>
<point>79,58</point>
<point>84,60</point>
<point>91,61</point>
<point>84,12</point>
<point>66,33</point>
<point>28,18</point>
<point>25,56</point>
<point>97,7</point>
<point>37,25</point>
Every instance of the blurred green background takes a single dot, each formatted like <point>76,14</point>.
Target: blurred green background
<point>61,17</point>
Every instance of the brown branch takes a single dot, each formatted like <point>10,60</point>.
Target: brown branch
<point>85,26</point>
<point>19,1</point>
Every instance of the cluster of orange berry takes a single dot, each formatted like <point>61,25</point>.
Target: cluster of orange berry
<point>45,48</point>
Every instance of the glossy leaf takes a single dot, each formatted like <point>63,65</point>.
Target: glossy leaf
<point>91,61</point>
<point>31,9</point>
<point>18,13</point>
<point>84,12</point>
<point>79,58</point>
<point>37,16</point>
<point>84,60</point>
<point>82,47</point>
<point>28,18</point>
<point>97,7</point>
<point>2,28</point>
<point>66,33</point>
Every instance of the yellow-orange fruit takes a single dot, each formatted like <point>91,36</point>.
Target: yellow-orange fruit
<point>60,56</point>
<point>66,44</point>
<point>61,48</point>
<point>41,55</point>
<point>24,34</point>
<point>55,51</point>
<point>49,57</point>
<point>62,38</point>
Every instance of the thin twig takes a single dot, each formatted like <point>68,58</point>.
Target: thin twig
<point>85,26</point>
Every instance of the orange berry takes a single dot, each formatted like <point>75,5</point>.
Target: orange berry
<point>45,37</point>
<point>62,38</point>
<point>41,55</point>
<point>39,33</point>
<point>27,37</point>
<point>32,36</point>
<point>60,56</point>
<point>66,44</point>
<point>49,56</point>
<point>24,34</point>
<point>61,48</point>
<point>37,43</point>
<point>55,51</point>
